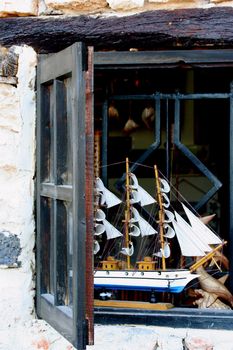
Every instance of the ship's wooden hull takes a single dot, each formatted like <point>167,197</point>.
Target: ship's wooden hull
<point>173,281</point>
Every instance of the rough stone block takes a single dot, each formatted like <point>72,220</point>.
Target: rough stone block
<point>198,343</point>
<point>9,112</point>
<point>174,4</point>
<point>125,5</point>
<point>180,3</point>
<point>73,6</point>
<point>222,2</point>
<point>158,1</point>
<point>18,8</point>
<point>8,62</point>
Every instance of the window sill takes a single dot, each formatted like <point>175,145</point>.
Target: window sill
<point>176,317</point>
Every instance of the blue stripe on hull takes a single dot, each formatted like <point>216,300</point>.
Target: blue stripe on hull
<point>177,289</point>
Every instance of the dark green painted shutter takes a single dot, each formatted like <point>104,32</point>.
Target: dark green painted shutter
<point>61,169</point>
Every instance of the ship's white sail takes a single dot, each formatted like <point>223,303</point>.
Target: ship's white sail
<point>106,197</point>
<point>99,229</point>
<point>169,216</point>
<point>169,232</point>
<point>166,203</point>
<point>166,252</point>
<point>201,230</point>
<point>194,238</point>
<point>189,243</point>
<point>128,250</point>
<point>165,188</point>
<point>145,228</point>
<point>138,193</point>
<point>134,230</point>
<point>96,247</point>
<point>135,197</point>
<point>99,215</point>
<point>111,231</point>
<point>105,226</point>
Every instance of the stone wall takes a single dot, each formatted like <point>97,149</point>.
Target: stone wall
<point>19,328</point>
<point>108,7</point>
<point>17,145</point>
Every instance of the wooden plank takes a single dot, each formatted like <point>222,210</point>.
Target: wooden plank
<point>141,58</point>
<point>175,317</point>
<point>78,103</point>
<point>59,317</point>
<point>132,304</point>
<point>62,192</point>
<point>52,67</point>
<point>187,28</point>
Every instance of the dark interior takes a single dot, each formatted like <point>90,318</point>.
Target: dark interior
<point>204,130</point>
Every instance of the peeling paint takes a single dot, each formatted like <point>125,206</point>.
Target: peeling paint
<point>9,249</point>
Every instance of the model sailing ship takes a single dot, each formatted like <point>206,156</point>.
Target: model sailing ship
<point>195,239</point>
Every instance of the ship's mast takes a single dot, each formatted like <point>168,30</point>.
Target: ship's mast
<point>97,140</point>
<point>161,216</point>
<point>127,211</point>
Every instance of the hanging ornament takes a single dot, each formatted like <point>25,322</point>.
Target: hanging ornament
<point>130,126</point>
<point>148,117</point>
<point>113,113</point>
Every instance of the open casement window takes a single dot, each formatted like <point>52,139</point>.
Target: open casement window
<point>64,193</point>
<point>180,136</point>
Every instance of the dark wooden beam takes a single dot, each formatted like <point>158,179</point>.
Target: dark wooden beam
<point>187,29</point>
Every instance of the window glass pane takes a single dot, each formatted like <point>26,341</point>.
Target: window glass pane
<point>62,270</point>
<point>63,119</point>
<point>64,253</point>
<point>46,132</point>
<point>46,204</point>
<point>68,87</point>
